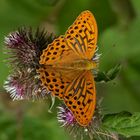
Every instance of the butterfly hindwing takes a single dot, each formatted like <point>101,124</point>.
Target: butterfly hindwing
<point>56,80</point>
<point>76,88</point>
<point>80,97</point>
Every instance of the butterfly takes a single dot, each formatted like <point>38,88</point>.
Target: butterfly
<point>66,66</point>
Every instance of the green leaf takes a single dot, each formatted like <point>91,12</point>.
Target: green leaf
<point>101,76</point>
<point>109,75</point>
<point>123,123</point>
<point>112,73</point>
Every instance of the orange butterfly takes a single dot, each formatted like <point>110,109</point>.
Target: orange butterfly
<point>66,65</point>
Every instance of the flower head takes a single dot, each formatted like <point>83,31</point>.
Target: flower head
<point>96,56</point>
<point>21,85</point>
<point>22,51</point>
<point>14,39</point>
<point>92,131</point>
<point>15,88</point>
<point>25,47</point>
<point>65,116</point>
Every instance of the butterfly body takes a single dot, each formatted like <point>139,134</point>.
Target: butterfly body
<point>77,65</point>
<point>66,66</point>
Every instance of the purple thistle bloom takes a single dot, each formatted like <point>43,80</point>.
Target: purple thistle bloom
<point>65,116</point>
<point>14,40</point>
<point>22,50</point>
<point>15,89</point>
<point>96,56</point>
<point>21,85</point>
<point>25,48</point>
<point>92,131</point>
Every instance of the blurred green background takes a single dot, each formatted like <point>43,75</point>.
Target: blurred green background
<point>119,42</point>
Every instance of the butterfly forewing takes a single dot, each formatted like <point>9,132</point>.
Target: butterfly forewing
<point>78,43</point>
<point>84,34</point>
<point>58,53</point>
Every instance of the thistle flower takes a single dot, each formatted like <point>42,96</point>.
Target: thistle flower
<point>14,39</point>
<point>15,88</point>
<point>22,51</point>
<point>21,85</point>
<point>96,56</point>
<point>25,47</point>
<point>65,116</point>
<point>92,131</point>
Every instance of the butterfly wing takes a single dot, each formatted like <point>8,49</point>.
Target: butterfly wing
<point>76,88</point>
<point>79,42</point>
<point>56,80</point>
<point>80,97</point>
<point>84,33</point>
<point>57,53</point>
